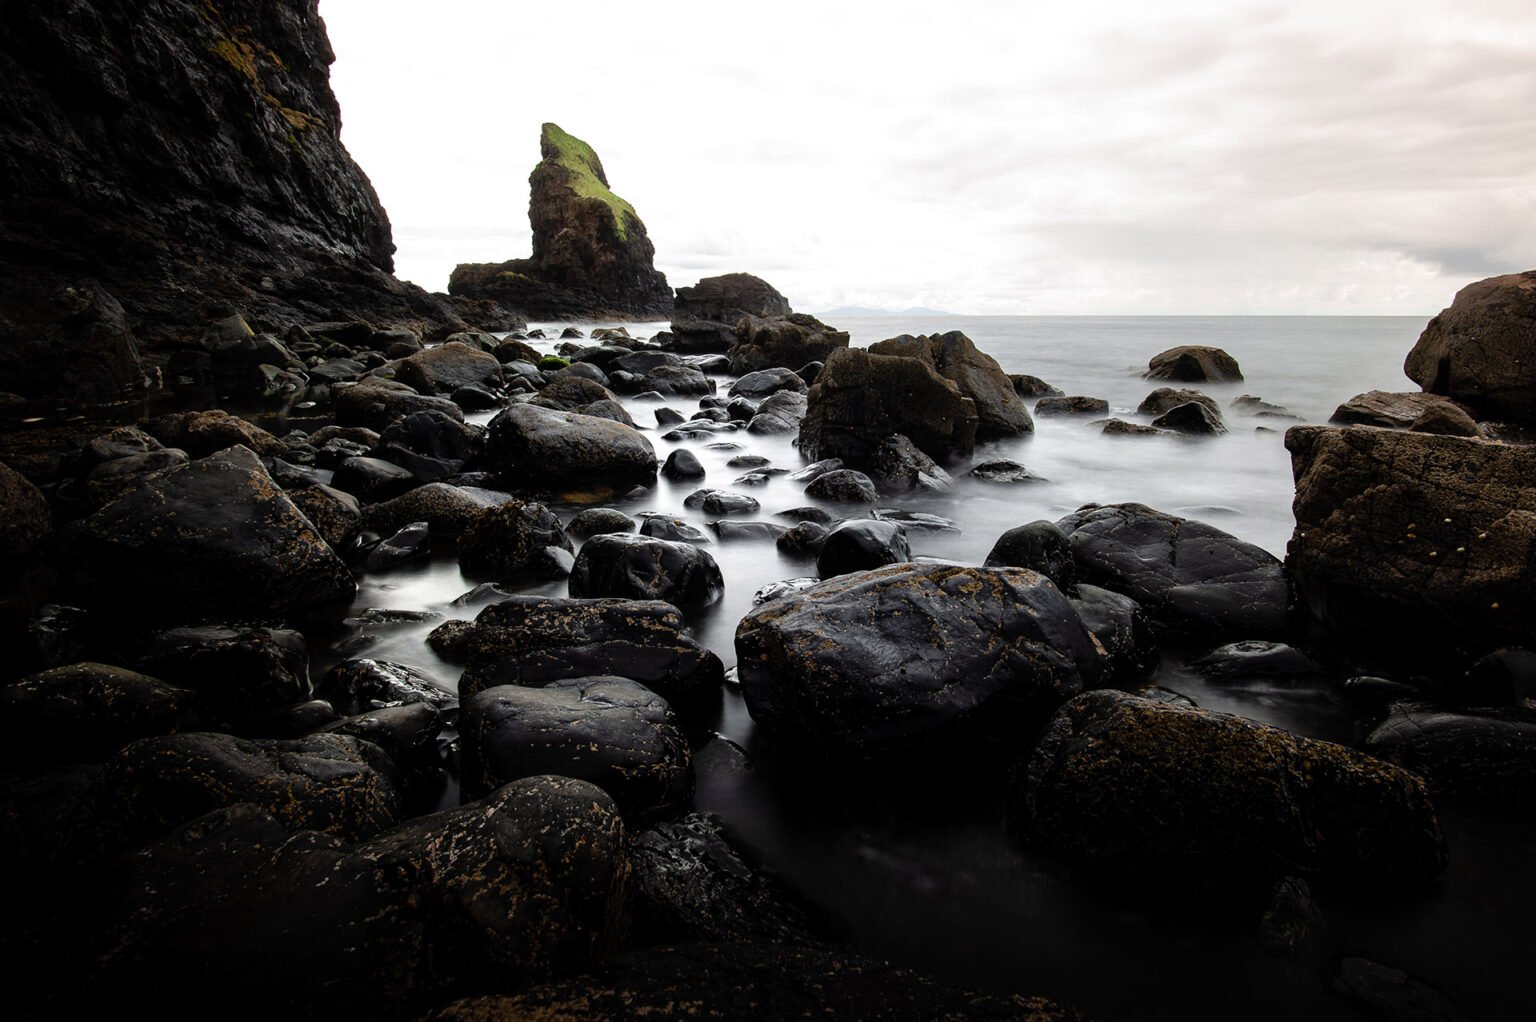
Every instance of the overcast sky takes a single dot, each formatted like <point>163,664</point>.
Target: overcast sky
<point>1103,156</point>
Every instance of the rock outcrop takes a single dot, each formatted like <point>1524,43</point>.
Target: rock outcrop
<point>704,316</point>
<point>860,398</point>
<point>999,409</point>
<point>1482,350</point>
<point>592,258</point>
<point>1415,540</point>
<point>161,163</point>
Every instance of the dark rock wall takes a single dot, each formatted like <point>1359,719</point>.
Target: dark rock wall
<point>185,155</point>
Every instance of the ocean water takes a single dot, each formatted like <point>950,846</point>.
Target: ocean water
<point>920,873</point>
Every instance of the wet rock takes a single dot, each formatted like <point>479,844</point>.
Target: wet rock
<point>433,435</point>
<point>678,381</point>
<point>444,368</point>
<point>610,731</point>
<point>513,539</point>
<point>780,413</point>
<point>69,340</point>
<point>364,685</point>
<point>780,341</point>
<point>86,712</point>
<point>999,409</point>
<point>728,530</point>
<point>911,654</point>
<point>1039,546</point>
<point>1252,660</point>
<point>219,539</point>
<point>704,316</point>
<point>915,521</point>
<point>1257,406</point>
<point>1194,364</point>
<point>1003,470</point>
<point>202,433</point>
<point>1291,916</point>
<point>528,883</point>
<point>898,467</point>
<point>721,502</point>
<point>608,409</point>
<point>860,545</point>
<point>1218,796</point>
<point>24,516</point>
<point>567,452</point>
<point>667,417</point>
<point>682,465</point>
<point>531,640</point>
<point>802,540</point>
<point>337,516</point>
<point>407,543</point>
<point>1073,405</point>
<point>1028,386</point>
<point>1123,631</point>
<point>753,982</point>
<point>1477,350</point>
<point>691,884</point>
<point>598,521</point>
<point>448,510</point>
<point>641,568</point>
<point>373,479</point>
<point>1502,677</point>
<point>330,783</point>
<point>566,392</point>
<point>861,398</point>
<point>819,515</point>
<point>762,383</point>
<point>1383,408</point>
<point>407,733</point>
<point>1447,419</point>
<point>1478,759</point>
<point>238,671</point>
<point>375,403</point>
<point>1119,427</point>
<point>843,486</point>
<point>1192,418</point>
<point>659,526</point>
<point>1165,399</point>
<point>1416,543</point>
<point>1392,994</point>
<point>1190,577</point>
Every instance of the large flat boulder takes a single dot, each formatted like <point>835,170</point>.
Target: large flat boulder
<point>910,654</point>
<point>1415,541</point>
<point>1192,578</point>
<point>541,448</point>
<point>1482,350</point>
<point>1118,781</point>
<point>213,539</point>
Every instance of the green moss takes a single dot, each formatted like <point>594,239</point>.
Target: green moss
<point>553,362</point>
<point>586,173</point>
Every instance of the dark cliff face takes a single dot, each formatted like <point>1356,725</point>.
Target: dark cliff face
<point>592,258</point>
<point>185,156</point>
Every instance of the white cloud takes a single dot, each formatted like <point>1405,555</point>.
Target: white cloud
<point>1101,157</point>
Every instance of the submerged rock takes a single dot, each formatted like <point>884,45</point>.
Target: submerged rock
<point>1194,364</point>
<point>1123,782</point>
<point>879,660</point>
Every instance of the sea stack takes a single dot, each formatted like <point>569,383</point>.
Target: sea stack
<point>592,258</point>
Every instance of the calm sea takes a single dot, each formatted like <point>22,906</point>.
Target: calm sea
<point>925,877</point>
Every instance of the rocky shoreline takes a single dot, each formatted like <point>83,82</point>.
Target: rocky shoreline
<point>212,805</point>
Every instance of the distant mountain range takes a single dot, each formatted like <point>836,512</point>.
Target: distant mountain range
<point>859,310</point>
